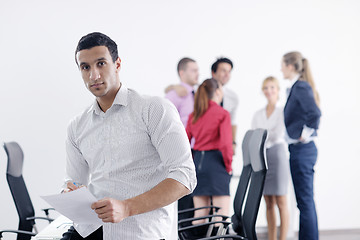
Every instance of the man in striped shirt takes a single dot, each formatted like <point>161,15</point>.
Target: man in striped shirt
<point>131,152</point>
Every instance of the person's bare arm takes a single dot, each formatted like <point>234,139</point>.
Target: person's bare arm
<point>180,90</point>
<point>234,127</point>
<point>166,192</point>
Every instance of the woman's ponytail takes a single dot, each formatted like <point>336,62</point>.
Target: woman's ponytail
<point>204,93</point>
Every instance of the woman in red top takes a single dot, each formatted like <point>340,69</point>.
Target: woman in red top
<point>210,125</point>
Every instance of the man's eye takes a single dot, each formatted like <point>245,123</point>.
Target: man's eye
<point>101,63</point>
<point>85,67</point>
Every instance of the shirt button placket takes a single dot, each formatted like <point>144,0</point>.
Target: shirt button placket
<point>107,140</point>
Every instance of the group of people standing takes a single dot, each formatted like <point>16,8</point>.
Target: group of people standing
<point>209,118</point>
<point>133,154</point>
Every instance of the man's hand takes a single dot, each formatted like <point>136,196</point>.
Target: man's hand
<point>110,210</point>
<point>70,186</point>
<point>114,211</point>
<point>180,90</point>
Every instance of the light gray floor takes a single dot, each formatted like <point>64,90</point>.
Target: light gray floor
<point>351,234</point>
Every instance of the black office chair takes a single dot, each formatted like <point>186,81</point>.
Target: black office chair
<point>244,220</point>
<point>236,219</point>
<point>20,194</point>
<point>257,180</point>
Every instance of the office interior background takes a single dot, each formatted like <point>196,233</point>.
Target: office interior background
<point>41,88</point>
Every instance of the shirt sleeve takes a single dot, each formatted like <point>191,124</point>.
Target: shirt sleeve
<point>174,98</point>
<point>226,141</point>
<point>77,169</point>
<point>169,138</point>
<point>188,127</point>
<point>306,133</point>
<point>234,100</point>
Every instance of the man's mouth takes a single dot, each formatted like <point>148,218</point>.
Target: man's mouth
<point>96,84</point>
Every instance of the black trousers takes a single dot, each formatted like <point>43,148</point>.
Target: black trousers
<point>72,234</point>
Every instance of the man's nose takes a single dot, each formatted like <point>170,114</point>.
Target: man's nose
<point>94,74</point>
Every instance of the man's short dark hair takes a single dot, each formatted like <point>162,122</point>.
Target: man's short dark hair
<point>183,62</point>
<point>215,65</point>
<point>97,39</point>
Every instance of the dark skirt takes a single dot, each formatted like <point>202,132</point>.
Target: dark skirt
<point>212,177</point>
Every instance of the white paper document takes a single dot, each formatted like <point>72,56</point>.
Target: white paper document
<point>75,205</point>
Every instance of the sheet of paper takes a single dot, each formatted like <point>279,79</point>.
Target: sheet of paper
<point>75,205</point>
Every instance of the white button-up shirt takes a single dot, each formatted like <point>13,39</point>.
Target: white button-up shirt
<point>137,143</point>
<point>274,124</point>
<point>231,102</point>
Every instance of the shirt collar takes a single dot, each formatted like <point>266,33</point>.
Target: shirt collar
<point>293,81</point>
<point>188,87</point>
<point>121,98</point>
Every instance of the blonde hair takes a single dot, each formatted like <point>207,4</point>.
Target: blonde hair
<point>302,67</point>
<point>270,79</point>
<point>273,80</point>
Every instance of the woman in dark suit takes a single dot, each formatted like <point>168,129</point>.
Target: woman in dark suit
<point>302,117</point>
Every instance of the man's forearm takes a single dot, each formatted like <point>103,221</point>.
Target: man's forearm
<point>166,192</point>
<point>234,127</point>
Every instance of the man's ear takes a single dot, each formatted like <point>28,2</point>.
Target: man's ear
<point>118,64</point>
<point>181,73</point>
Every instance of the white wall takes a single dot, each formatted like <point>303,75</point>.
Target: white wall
<point>41,88</point>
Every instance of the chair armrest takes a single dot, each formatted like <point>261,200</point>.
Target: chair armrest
<point>46,210</point>
<point>195,209</point>
<point>16,231</point>
<point>203,224</point>
<point>224,236</point>
<point>42,218</point>
<point>203,217</point>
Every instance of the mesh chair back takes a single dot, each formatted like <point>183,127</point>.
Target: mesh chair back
<point>258,164</point>
<point>18,188</point>
<point>242,186</point>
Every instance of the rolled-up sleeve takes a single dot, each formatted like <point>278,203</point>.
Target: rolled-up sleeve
<point>168,136</point>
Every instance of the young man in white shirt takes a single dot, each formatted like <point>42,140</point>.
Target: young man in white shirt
<point>221,71</point>
<point>130,151</point>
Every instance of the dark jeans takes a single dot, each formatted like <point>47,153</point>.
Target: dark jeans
<point>72,234</point>
<point>302,160</point>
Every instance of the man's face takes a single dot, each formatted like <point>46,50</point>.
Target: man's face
<point>191,73</point>
<point>223,73</point>
<point>99,72</point>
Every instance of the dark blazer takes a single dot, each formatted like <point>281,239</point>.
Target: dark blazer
<point>300,110</point>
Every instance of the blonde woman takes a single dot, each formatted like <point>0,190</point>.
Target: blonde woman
<point>276,183</point>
